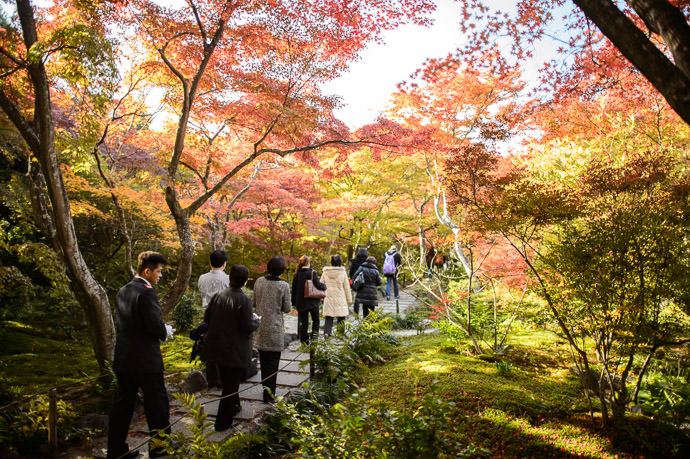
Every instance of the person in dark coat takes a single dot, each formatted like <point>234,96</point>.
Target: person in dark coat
<point>306,306</point>
<point>138,362</point>
<point>355,263</point>
<point>229,341</point>
<point>368,295</point>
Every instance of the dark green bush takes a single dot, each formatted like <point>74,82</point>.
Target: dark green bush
<point>358,430</point>
<point>187,312</point>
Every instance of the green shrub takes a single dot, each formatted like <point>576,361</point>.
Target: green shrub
<point>196,444</point>
<point>455,337</point>
<point>360,430</point>
<point>26,429</point>
<point>409,321</point>
<point>666,396</point>
<point>504,368</point>
<point>333,361</point>
<point>366,338</point>
<point>187,313</point>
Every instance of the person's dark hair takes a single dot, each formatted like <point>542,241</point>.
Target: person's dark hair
<point>362,252</point>
<point>150,260</point>
<point>371,260</point>
<point>218,258</point>
<point>276,266</point>
<point>238,275</point>
<point>303,261</point>
<point>336,260</point>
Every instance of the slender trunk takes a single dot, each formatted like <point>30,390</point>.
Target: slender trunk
<point>643,370</point>
<point>122,220</point>
<point>184,269</point>
<point>40,136</point>
<point>422,246</point>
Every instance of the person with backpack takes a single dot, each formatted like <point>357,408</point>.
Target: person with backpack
<point>355,263</point>
<point>367,293</point>
<point>390,270</point>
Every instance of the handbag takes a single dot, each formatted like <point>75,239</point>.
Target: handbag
<point>358,282</point>
<point>311,291</point>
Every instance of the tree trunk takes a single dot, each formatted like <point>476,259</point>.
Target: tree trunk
<point>184,269</point>
<point>668,21</point>
<point>666,77</point>
<point>40,136</point>
<point>445,220</point>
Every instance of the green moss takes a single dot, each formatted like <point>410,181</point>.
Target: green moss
<point>32,363</point>
<point>538,411</point>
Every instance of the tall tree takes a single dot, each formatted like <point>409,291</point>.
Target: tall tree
<point>456,105</point>
<point>35,56</point>
<point>251,71</point>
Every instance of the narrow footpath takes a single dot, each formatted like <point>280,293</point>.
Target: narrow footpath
<point>290,377</point>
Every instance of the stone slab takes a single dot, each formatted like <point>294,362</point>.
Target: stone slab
<point>292,379</point>
<point>293,366</point>
<point>294,355</point>
<point>250,409</point>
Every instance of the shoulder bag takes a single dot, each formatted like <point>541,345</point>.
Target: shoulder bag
<point>310,290</point>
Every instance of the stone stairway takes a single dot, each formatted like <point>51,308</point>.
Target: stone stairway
<point>290,377</point>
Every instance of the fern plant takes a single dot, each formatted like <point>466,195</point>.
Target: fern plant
<point>196,444</point>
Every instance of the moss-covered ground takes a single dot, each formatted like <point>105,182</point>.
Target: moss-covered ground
<point>535,409</point>
<point>32,363</point>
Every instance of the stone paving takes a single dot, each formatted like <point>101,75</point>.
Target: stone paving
<point>291,377</point>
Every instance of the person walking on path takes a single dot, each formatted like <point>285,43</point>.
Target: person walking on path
<point>306,307</point>
<point>338,294</point>
<point>368,295</point>
<point>229,341</point>
<point>391,262</point>
<point>138,361</point>
<point>271,299</point>
<point>355,263</point>
<point>215,280</point>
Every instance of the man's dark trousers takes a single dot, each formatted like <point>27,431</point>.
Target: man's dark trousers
<point>156,408</point>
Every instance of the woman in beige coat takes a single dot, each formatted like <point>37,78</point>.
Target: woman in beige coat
<point>338,294</point>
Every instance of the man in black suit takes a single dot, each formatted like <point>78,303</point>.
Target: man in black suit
<point>138,361</point>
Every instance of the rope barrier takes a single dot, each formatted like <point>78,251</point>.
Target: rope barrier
<point>169,426</point>
<point>26,398</point>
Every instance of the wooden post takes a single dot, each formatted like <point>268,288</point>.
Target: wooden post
<point>311,361</point>
<point>52,419</point>
<point>397,306</point>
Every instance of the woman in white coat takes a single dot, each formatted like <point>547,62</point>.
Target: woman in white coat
<point>338,294</point>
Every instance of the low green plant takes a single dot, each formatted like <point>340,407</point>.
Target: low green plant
<point>26,428</point>
<point>455,337</point>
<point>196,444</point>
<point>409,321</point>
<point>187,312</point>
<point>333,360</point>
<point>357,429</point>
<point>504,368</point>
<point>367,338</point>
<point>666,396</point>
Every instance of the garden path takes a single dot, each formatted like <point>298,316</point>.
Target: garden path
<point>291,377</point>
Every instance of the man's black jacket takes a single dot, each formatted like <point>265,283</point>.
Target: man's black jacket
<point>139,329</point>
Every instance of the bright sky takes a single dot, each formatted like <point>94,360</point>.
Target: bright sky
<point>367,87</point>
